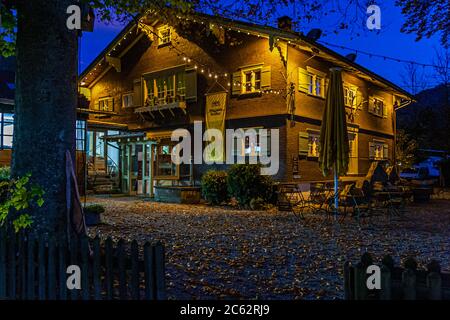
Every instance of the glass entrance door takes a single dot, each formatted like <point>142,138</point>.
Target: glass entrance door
<point>137,168</point>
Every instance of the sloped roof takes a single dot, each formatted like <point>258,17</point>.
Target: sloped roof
<point>118,45</point>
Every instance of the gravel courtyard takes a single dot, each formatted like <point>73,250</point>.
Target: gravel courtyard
<point>215,252</point>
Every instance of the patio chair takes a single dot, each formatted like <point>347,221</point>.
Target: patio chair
<point>291,199</point>
<point>318,197</point>
<point>355,201</point>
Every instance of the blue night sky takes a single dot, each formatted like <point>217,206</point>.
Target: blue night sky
<point>388,42</point>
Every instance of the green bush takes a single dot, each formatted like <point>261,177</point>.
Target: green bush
<point>214,187</point>
<point>94,208</point>
<point>20,196</point>
<point>245,183</point>
<point>5,173</point>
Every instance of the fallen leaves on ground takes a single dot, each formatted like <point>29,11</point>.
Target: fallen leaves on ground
<point>215,252</point>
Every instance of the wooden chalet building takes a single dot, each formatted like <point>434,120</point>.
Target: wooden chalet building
<point>153,78</point>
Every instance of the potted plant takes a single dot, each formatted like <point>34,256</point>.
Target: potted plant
<point>92,214</point>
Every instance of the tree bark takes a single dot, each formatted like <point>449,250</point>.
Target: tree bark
<point>45,109</point>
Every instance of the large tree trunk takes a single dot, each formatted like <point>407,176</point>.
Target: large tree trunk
<point>45,110</point>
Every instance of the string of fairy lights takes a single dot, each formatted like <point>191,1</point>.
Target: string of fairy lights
<point>212,73</point>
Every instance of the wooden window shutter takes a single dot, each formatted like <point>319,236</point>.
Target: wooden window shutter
<point>384,109</point>
<point>385,151</point>
<point>266,77</point>
<point>137,93</point>
<point>371,150</point>
<point>303,83</point>
<point>237,83</point>
<point>110,104</point>
<point>303,144</point>
<point>370,105</point>
<point>190,79</point>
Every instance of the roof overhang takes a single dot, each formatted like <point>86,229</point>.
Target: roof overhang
<point>118,48</point>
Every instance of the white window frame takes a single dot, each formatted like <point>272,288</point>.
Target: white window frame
<point>382,145</point>
<point>127,100</point>
<point>253,81</point>
<point>163,39</point>
<point>313,77</point>
<point>105,100</point>
<point>372,106</point>
<point>348,88</point>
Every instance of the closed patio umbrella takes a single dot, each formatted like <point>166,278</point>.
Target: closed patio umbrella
<point>334,147</point>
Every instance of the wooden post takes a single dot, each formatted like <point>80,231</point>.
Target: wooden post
<point>41,268</point>
<point>434,281</point>
<point>109,268</point>
<point>386,283</point>
<point>62,258</point>
<point>347,287</point>
<point>2,263</point>
<point>134,270</point>
<point>51,274</point>
<point>85,288</point>
<point>148,271</point>
<point>387,266</point>
<point>121,256</point>
<point>73,261</point>
<point>160,272</point>
<point>96,269</point>
<point>30,268</point>
<point>12,265</point>
<point>409,279</point>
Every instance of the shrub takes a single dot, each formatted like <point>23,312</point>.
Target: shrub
<point>5,173</point>
<point>245,183</point>
<point>19,197</point>
<point>94,208</point>
<point>214,187</point>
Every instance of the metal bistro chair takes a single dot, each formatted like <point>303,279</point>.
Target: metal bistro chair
<point>356,201</point>
<point>291,199</point>
<point>318,197</point>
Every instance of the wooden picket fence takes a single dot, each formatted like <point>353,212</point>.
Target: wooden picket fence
<point>397,283</point>
<point>35,268</point>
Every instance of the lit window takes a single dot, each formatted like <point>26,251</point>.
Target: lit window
<point>7,130</point>
<point>166,89</point>
<point>378,150</point>
<point>311,81</point>
<point>105,104</point>
<point>350,96</point>
<point>251,80</point>
<point>313,144</point>
<point>164,35</point>
<point>377,106</point>
<point>80,135</point>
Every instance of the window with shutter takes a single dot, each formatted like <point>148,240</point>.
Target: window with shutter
<point>377,106</point>
<point>105,104</point>
<point>378,150</point>
<point>312,82</point>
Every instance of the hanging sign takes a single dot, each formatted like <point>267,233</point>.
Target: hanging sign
<point>215,119</point>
